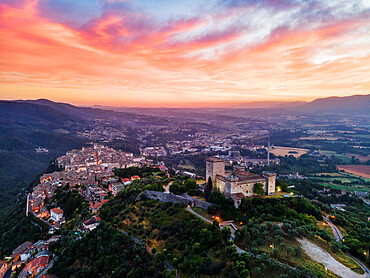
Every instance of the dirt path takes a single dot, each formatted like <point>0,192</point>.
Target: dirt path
<point>321,256</point>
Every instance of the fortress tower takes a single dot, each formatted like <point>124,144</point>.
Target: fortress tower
<point>214,166</point>
<point>270,182</point>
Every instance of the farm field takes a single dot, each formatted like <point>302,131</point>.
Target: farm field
<point>346,187</point>
<point>350,182</point>
<point>283,151</point>
<point>361,158</point>
<point>329,174</point>
<point>359,170</point>
<point>319,138</point>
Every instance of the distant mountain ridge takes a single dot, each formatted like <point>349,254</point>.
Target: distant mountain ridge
<point>78,113</point>
<point>356,104</point>
<point>31,113</point>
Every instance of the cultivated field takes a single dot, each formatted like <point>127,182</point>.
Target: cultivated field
<point>359,170</point>
<point>319,138</point>
<point>283,151</point>
<point>329,174</point>
<point>361,158</point>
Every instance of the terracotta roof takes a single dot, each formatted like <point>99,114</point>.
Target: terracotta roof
<point>91,221</point>
<point>40,261</point>
<point>237,196</point>
<point>243,176</point>
<point>22,247</point>
<point>57,210</point>
<point>214,159</point>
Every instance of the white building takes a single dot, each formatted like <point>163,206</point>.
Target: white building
<point>91,224</point>
<point>56,214</point>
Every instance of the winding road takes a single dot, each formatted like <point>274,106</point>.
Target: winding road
<point>238,249</point>
<point>337,234</point>
<point>167,188</point>
<point>339,237</point>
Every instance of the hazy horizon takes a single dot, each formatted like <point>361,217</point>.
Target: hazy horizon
<point>246,105</point>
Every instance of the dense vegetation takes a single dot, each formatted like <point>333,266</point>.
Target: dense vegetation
<point>188,186</point>
<point>16,228</point>
<point>185,241</point>
<point>104,252</point>
<point>70,201</point>
<point>269,209</point>
<point>133,171</point>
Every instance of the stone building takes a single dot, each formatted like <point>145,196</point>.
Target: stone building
<point>237,184</point>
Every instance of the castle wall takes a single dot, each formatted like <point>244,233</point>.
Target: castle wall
<point>245,188</point>
<point>220,185</point>
<point>172,198</point>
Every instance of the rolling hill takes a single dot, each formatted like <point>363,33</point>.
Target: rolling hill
<point>357,104</point>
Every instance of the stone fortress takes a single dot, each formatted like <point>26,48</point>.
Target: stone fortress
<point>237,184</point>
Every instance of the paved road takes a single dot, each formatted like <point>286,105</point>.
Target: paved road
<point>132,237</point>
<point>337,234</point>
<point>197,214</point>
<point>167,188</point>
<point>367,271</point>
<point>170,267</point>
<point>238,249</point>
<point>339,237</point>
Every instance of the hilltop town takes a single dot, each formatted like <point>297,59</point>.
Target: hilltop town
<point>89,170</point>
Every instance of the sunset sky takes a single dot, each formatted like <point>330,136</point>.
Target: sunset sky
<point>183,53</point>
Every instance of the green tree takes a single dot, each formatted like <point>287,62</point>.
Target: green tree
<point>240,265</point>
<point>208,189</point>
<point>297,251</point>
<point>226,234</point>
<point>258,189</point>
<point>244,273</point>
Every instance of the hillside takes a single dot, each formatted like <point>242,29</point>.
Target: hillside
<point>23,128</point>
<point>88,114</point>
<point>27,114</point>
<point>357,104</point>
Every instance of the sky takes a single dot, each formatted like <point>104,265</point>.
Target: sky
<point>188,53</point>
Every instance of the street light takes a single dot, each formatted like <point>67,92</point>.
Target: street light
<point>326,271</point>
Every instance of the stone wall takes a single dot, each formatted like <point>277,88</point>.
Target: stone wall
<point>173,198</point>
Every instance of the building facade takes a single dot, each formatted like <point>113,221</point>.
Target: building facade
<point>56,214</point>
<point>237,184</point>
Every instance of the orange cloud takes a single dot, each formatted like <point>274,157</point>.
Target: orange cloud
<point>112,61</point>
